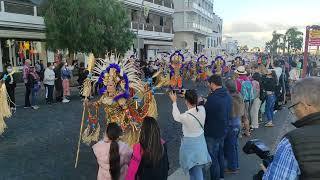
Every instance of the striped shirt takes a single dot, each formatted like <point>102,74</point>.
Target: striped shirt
<point>284,165</point>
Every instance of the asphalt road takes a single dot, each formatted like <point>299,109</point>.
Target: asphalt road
<point>41,144</point>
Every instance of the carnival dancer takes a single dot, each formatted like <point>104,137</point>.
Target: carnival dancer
<point>176,64</point>
<point>218,65</point>
<point>202,68</point>
<point>238,61</point>
<point>124,97</point>
<point>10,81</point>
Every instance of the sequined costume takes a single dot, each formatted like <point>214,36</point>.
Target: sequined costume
<point>125,99</point>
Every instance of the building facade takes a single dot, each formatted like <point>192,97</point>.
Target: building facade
<point>230,45</point>
<point>196,26</point>
<point>155,33</point>
<point>22,33</point>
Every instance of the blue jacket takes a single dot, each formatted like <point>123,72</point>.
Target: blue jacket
<point>218,113</point>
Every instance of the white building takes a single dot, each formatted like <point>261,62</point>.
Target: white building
<point>156,29</point>
<point>230,45</point>
<point>214,42</point>
<point>20,25</point>
<point>195,25</point>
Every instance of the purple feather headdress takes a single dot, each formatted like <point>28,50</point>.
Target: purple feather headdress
<point>102,90</point>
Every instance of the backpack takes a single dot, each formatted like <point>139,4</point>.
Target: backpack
<point>247,92</point>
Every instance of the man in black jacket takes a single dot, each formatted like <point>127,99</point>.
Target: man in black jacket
<point>298,154</point>
<point>218,110</point>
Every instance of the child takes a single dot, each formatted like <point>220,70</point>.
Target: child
<point>113,156</point>
<point>153,163</point>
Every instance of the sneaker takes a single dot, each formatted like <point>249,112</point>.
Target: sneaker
<point>26,107</point>
<point>229,171</point>
<point>269,124</point>
<point>35,107</point>
<point>65,101</point>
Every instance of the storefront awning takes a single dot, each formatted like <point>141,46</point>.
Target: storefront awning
<point>22,34</point>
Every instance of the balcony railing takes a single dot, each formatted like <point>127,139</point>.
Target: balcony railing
<point>151,27</point>
<point>165,3</point>
<point>18,8</point>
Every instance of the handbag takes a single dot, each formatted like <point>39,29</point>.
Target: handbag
<point>196,120</point>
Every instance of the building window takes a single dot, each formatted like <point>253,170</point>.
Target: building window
<point>161,21</point>
<point>148,19</point>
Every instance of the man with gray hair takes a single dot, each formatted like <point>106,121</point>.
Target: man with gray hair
<point>298,154</point>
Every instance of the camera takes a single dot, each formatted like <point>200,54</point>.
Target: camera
<point>180,92</point>
<point>255,146</point>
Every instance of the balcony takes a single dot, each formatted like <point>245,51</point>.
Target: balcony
<point>151,31</point>
<point>20,15</point>
<point>164,7</point>
<point>194,7</point>
<point>195,28</point>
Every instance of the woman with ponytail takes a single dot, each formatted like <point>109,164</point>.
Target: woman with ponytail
<point>113,155</point>
<point>194,154</point>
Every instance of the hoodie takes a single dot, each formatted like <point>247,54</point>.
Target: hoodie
<point>218,113</point>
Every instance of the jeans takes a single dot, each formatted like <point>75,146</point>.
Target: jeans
<point>27,96</point>
<point>49,93</point>
<point>196,173</point>
<point>33,96</point>
<point>231,147</point>
<point>215,148</point>
<point>270,102</point>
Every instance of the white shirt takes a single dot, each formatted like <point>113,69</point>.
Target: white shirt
<point>190,126</point>
<point>49,77</point>
<point>278,71</point>
<point>293,74</point>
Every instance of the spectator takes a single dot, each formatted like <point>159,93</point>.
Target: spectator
<point>244,87</point>
<point>113,155</point>
<point>254,110</point>
<point>10,82</point>
<point>153,163</point>
<point>34,85</point>
<point>58,82</point>
<point>48,81</point>
<point>231,144</point>
<point>26,72</point>
<point>270,86</point>
<point>193,151</point>
<point>40,69</point>
<point>297,155</point>
<point>66,76</point>
<point>218,109</point>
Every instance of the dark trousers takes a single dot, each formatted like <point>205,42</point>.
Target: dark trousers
<point>11,91</point>
<point>49,93</point>
<point>27,96</point>
<point>215,148</point>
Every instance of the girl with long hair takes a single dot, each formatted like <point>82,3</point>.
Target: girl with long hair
<point>113,155</point>
<point>194,154</point>
<point>150,159</point>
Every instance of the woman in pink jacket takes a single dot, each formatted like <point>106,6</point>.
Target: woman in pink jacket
<point>113,156</point>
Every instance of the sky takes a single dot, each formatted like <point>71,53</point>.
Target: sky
<point>251,22</point>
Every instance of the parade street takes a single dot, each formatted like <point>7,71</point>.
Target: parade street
<point>41,144</point>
